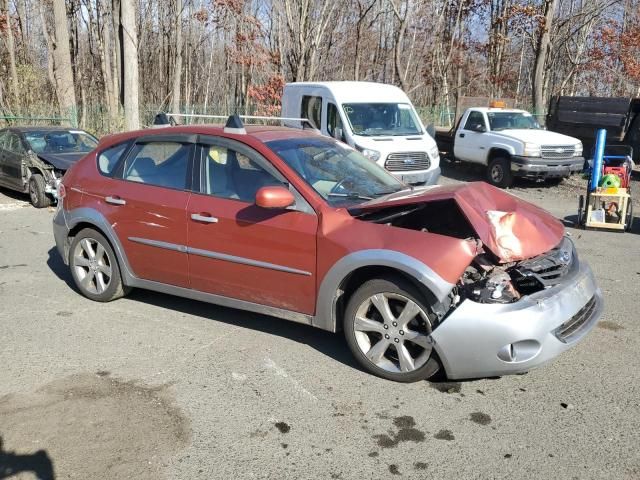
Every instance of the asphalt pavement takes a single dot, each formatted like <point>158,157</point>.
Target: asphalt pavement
<point>153,386</point>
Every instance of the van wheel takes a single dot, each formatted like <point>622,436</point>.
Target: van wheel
<point>37,193</point>
<point>499,172</point>
<point>94,267</point>
<point>387,325</point>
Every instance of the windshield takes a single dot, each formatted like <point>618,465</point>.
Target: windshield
<point>377,119</point>
<point>341,175</point>
<point>512,121</point>
<point>60,141</point>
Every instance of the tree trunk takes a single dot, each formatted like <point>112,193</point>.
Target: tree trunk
<point>541,57</point>
<point>13,72</point>
<point>63,70</point>
<point>130,63</point>
<point>177,64</point>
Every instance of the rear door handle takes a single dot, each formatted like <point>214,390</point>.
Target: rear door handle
<point>115,201</point>
<point>203,218</point>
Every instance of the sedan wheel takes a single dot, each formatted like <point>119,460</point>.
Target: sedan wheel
<point>388,328</point>
<point>94,267</point>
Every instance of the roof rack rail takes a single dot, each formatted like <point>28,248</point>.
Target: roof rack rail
<point>233,121</point>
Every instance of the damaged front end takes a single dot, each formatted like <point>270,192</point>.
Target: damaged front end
<point>485,281</point>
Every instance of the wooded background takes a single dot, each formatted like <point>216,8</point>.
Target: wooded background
<point>112,64</point>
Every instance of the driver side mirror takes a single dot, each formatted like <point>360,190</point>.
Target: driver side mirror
<point>274,197</point>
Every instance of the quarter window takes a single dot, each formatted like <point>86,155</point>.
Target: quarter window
<point>230,174</point>
<point>312,110</point>
<point>164,164</point>
<point>108,159</point>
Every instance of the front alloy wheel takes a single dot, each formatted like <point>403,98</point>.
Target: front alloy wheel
<point>388,328</point>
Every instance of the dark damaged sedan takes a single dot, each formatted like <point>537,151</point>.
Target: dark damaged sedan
<point>34,159</point>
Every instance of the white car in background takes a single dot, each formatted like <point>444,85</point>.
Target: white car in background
<point>374,118</point>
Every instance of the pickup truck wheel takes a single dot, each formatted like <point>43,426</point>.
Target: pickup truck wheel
<point>387,325</point>
<point>37,194</point>
<point>94,267</point>
<point>499,172</point>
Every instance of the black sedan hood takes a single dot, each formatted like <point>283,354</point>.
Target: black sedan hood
<point>61,161</point>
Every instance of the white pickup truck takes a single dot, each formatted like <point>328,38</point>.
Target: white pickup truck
<point>511,143</point>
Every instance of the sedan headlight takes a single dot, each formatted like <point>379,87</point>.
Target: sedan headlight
<point>532,150</point>
<point>578,150</point>
<point>372,155</point>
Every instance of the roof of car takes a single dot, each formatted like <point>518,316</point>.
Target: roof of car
<point>262,133</point>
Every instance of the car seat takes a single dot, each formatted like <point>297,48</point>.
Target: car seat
<point>143,170</point>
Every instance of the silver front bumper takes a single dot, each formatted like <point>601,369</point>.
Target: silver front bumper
<point>486,340</point>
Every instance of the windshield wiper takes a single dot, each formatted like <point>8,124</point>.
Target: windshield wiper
<point>389,192</point>
<point>349,195</point>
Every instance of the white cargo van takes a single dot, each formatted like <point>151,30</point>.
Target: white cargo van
<point>376,119</point>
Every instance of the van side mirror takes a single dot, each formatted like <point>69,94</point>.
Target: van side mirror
<point>274,197</point>
<point>338,134</point>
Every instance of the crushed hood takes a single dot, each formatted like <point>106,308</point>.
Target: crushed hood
<point>510,227</point>
<point>61,161</point>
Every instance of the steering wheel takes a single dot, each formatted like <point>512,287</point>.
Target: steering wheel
<point>339,186</point>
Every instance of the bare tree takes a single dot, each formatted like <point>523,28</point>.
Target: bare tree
<point>542,54</point>
<point>62,67</point>
<point>130,63</point>
<point>4,12</point>
<point>177,66</point>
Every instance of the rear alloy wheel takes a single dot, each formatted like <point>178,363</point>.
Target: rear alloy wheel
<point>388,327</point>
<point>37,193</point>
<point>499,172</point>
<point>94,267</point>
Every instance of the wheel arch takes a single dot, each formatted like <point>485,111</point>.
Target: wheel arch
<point>354,269</point>
<point>82,218</point>
<point>499,151</point>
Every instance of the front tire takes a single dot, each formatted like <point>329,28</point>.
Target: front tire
<point>37,193</point>
<point>387,325</point>
<point>499,172</point>
<point>94,267</point>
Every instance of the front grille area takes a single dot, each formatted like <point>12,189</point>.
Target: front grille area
<point>558,152</point>
<point>572,327</point>
<point>406,161</point>
<point>545,270</point>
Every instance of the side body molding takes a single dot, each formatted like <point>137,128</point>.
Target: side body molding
<point>329,290</point>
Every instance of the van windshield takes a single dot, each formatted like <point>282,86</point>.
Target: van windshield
<point>377,119</point>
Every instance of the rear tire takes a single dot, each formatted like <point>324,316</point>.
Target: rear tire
<point>499,172</point>
<point>94,267</point>
<point>394,342</point>
<point>37,194</point>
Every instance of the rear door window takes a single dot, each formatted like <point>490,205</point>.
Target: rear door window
<point>164,164</point>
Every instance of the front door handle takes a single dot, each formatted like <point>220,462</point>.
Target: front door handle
<point>462,135</point>
<point>203,218</point>
<point>115,201</point>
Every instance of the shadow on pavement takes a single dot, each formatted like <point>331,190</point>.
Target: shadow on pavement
<point>332,345</point>
<point>57,266</point>
<point>38,463</point>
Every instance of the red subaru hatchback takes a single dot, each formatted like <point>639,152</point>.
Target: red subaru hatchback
<point>299,226</point>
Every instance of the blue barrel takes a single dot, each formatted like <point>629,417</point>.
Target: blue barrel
<point>596,171</point>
